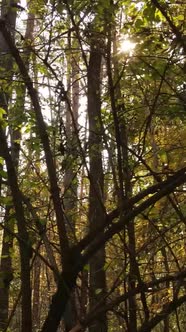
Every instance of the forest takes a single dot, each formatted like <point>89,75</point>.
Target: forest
<point>92,166</point>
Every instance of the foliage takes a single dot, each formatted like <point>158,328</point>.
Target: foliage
<point>140,135</point>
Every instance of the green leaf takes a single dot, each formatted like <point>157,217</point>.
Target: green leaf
<point>86,267</point>
<point>2,112</point>
<point>139,23</point>
<point>106,266</point>
<point>6,200</point>
<point>3,173</point>
<point>42,221</point>
<point>1,161</point>
<point>98,291</point>
<point>163,156</point>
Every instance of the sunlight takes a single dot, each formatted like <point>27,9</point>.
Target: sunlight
<point>127,46</point>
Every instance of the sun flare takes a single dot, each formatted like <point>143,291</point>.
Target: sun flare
<point>127,46</point>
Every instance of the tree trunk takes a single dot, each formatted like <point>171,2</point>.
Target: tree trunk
<point>96,210</point>
<point>70,175</point>
<point>36,294</point>
<point>25,250</point>
<point>6,273</point>
<point>15,136</point>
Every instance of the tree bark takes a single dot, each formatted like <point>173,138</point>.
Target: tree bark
<point>6,260</point>
<point>6,272</point>
<point>36,294</point>
<point>96,209</point>
<point>25,250</point>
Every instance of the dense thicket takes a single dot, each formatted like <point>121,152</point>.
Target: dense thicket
<point>92,166</point>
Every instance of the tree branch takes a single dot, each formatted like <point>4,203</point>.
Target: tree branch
<point>55,193</point>
<point>173,27</point>
<point>168,309</point>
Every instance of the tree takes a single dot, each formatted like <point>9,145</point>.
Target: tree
<point>120,217</point>
<point>96,175</point>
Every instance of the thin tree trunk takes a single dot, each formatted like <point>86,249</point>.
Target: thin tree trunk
<point>96,210</point>
<point>6,273</point>
<point>36,294</point>
<point>70,176</point>
<point>7,243</point>
<point>15,135</point>
<point>25,250</point>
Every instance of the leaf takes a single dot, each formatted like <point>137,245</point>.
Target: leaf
<point>149,12</point>
<point>86,267</point>
<point>3,121</point>
<point>163,156</point>
<point>6,200</point>
<point>106,266</point>
<point>3,173</point>
<point>2,112</point>
<point>42,221</point>
<point>180,17</point>
<point>139,23</point>
<point>98,291</point>
<point>1,161</point>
